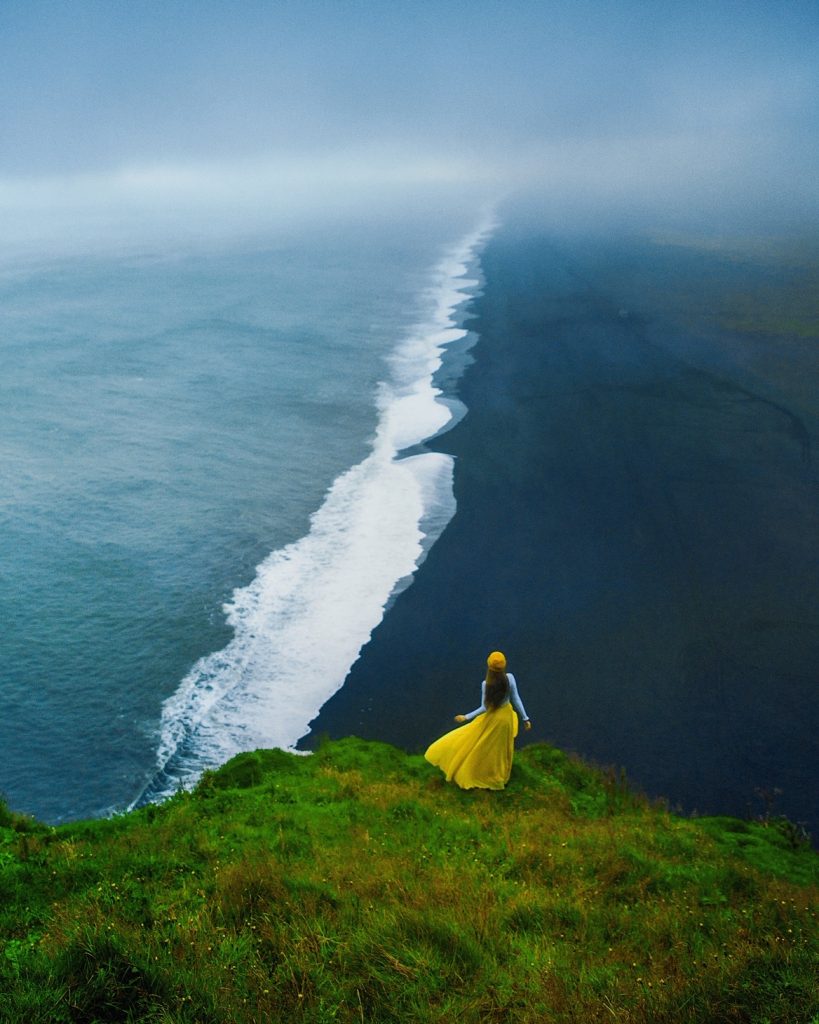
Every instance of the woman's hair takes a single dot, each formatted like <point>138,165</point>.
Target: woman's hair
<point>497,688</point>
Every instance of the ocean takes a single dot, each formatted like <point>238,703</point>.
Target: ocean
<point>213,485</point>
<point>224,459</point>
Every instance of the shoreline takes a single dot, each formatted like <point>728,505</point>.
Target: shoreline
<point>230,701</point>
<point>633,527</point>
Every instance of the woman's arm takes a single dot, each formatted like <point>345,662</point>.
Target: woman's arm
<point>478,711</point>
<point>517,703</point>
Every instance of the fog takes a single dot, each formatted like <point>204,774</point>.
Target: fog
<point>202,114</point>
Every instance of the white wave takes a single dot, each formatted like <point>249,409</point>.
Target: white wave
<point>301,624</point>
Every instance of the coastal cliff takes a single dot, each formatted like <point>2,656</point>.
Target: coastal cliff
<point>355,885</point>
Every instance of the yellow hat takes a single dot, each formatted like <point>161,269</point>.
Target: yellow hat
<point>497,661</point>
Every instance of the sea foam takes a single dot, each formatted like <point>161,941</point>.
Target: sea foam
<point>301,623</point>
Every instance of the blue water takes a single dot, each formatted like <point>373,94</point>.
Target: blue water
<point>201,473</point>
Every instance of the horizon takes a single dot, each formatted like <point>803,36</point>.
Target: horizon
<point>208,114</point>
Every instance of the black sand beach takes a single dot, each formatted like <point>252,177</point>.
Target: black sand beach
<point>637,527</point>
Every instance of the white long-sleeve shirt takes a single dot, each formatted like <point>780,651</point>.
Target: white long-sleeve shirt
<point>513,695</point>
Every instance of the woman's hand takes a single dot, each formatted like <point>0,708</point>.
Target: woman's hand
<point>460,718</point>
<point>527,725</point>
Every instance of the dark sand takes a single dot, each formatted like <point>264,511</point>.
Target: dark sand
<point>636,527</point>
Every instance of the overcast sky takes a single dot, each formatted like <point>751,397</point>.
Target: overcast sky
<point>594,97</point>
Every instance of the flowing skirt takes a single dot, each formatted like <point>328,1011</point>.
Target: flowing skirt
<point>478,755</point>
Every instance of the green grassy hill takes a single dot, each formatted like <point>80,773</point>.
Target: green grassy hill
<point>355,885</point>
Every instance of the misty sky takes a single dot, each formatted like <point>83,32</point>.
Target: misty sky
<point>699,99</point>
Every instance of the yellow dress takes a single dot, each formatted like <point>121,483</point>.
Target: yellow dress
<point>478,755</point>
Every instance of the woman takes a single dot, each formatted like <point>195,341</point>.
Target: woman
<point>480,755</point>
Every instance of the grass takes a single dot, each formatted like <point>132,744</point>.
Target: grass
<point>355,885</point>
